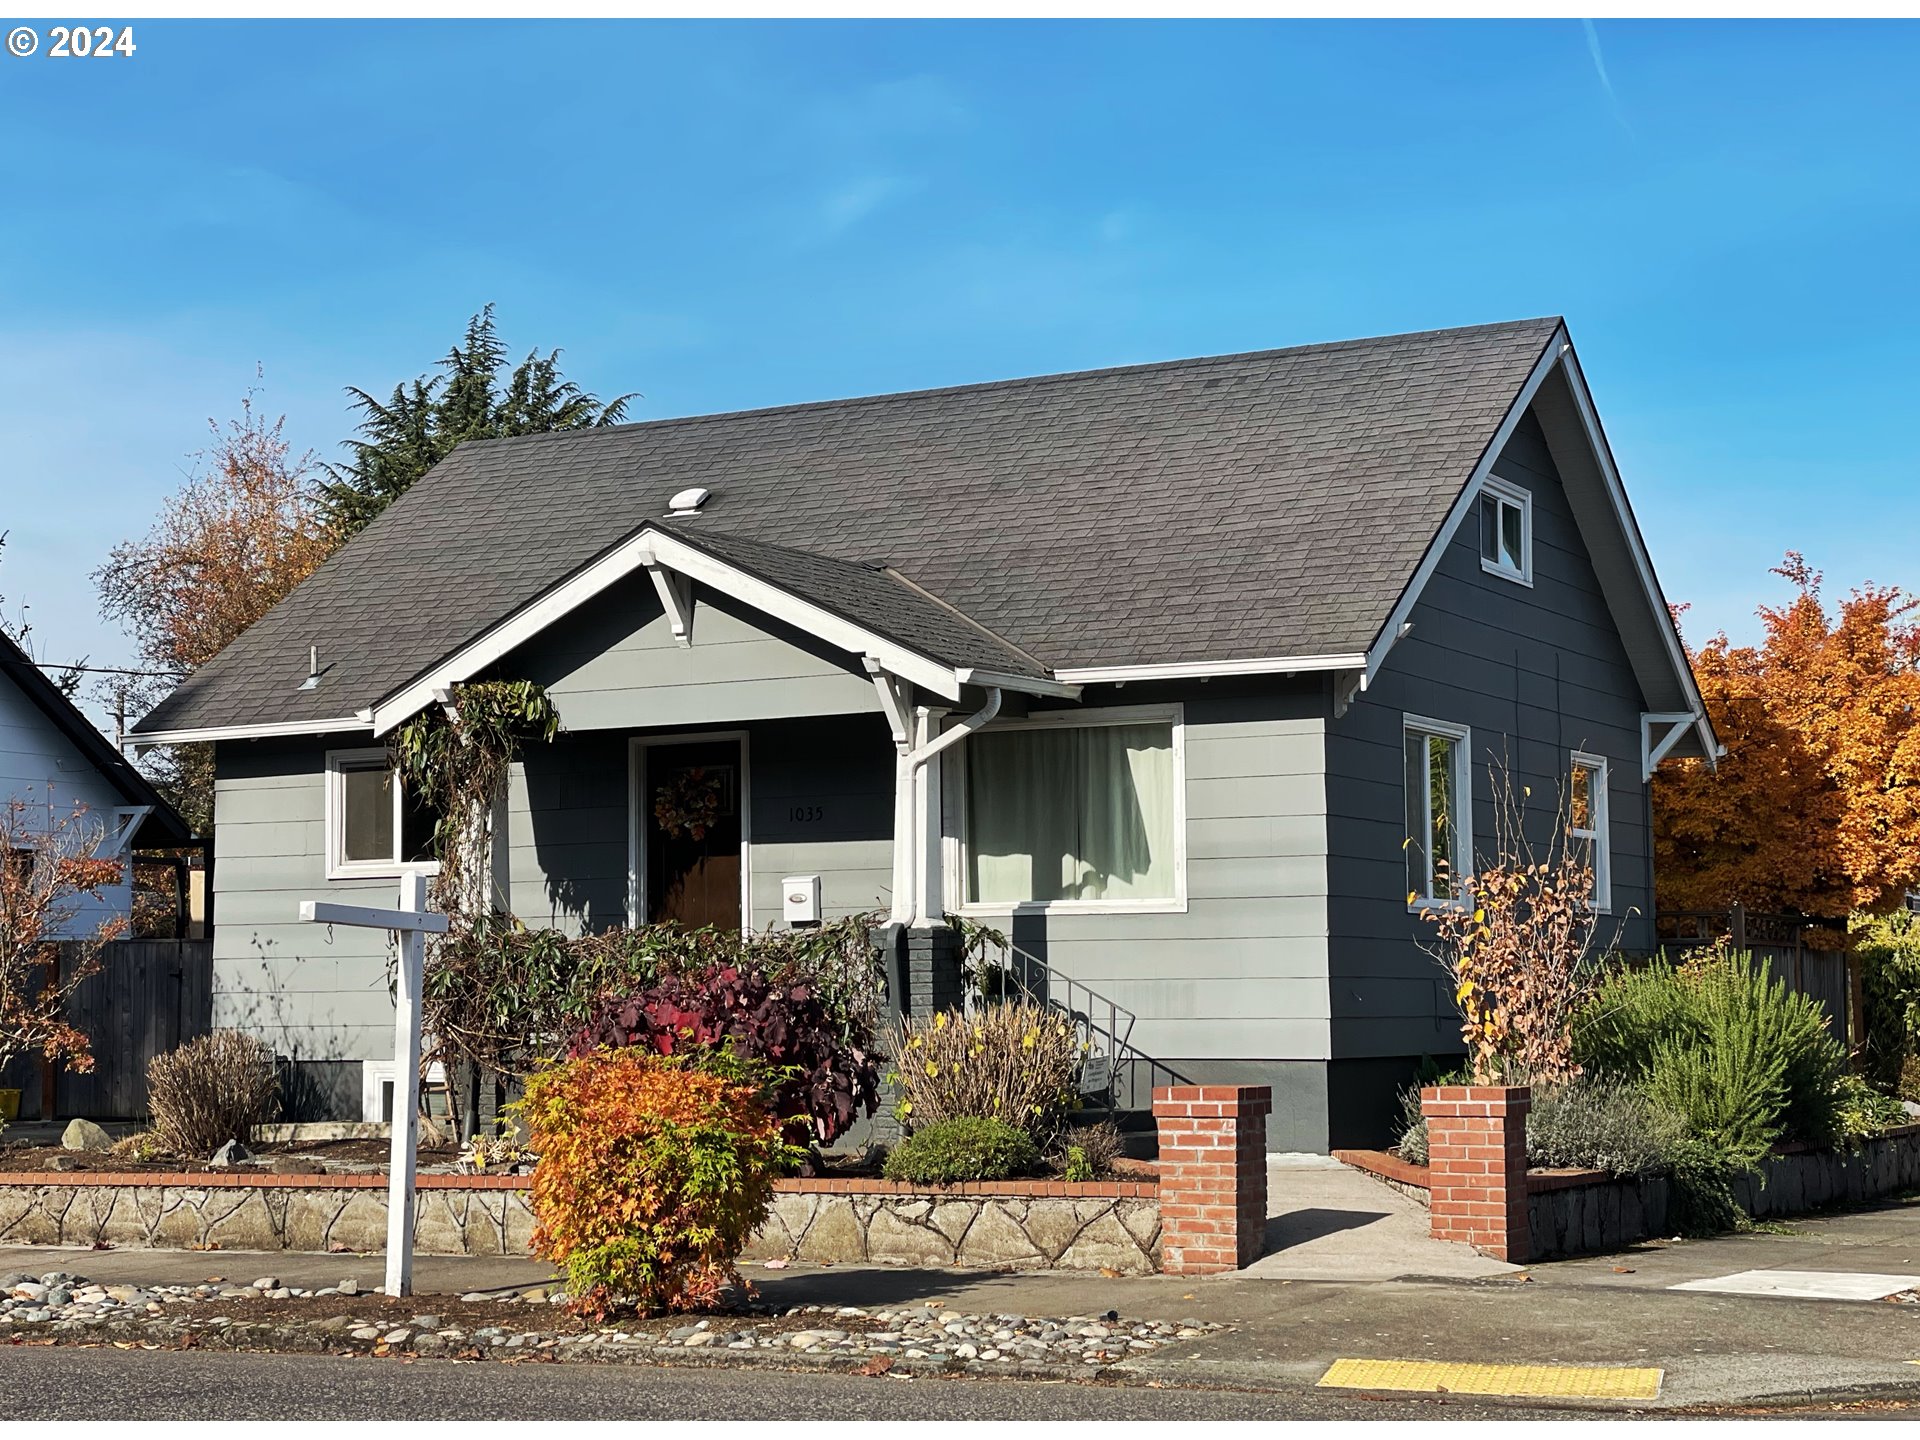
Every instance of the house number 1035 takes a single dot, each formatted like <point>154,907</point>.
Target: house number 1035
<point>806,814</point>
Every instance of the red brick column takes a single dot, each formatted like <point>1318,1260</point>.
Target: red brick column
<point>1213,1176</point>
<point>1477,1167</point>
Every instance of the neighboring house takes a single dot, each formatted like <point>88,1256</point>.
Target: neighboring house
<point>1212,646</point>
<point>54,763</point>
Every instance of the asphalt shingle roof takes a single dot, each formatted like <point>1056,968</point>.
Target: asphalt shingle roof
<point>1232,507</point>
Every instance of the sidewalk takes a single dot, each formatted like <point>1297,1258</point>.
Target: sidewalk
<point>1713,1348</point>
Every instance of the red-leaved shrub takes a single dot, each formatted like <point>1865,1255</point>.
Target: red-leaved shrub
<point>828,1071</point>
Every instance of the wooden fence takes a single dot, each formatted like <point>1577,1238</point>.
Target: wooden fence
<point>150,996</point>
<point>1780,940</point>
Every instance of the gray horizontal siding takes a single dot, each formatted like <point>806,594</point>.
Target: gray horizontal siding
<point>311,991</point>
<point>822,805</point>
<point>1241,972</point>
<point>1536,673</point>
<point>615,664</point>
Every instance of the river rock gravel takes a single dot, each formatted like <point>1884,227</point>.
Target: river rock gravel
<point>67,1307</point>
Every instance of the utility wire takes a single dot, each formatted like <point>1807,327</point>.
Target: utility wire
<point>96,669</point>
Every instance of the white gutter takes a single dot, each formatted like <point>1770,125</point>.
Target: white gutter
<point>146,740</point>
<point>1207,669</point>
<point>1025,684</point>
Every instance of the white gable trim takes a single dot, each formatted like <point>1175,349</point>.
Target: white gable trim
<point>1559,353</point>
<point>654,551</point>
<point>1466,504</point>
<point>1637,549</point>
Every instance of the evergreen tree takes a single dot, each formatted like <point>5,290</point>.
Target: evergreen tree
<point>474,397</point>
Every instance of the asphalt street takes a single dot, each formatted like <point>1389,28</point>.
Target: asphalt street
<point>49,1383</point>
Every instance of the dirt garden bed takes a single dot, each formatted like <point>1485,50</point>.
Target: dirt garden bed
<point>313,1157</point>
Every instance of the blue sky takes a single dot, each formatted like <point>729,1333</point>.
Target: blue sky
<point>722,216</point>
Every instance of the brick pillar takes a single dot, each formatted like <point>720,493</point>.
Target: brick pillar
<point>1477,1167</point>
<point>1213,1176</point>
<point>923,968</point>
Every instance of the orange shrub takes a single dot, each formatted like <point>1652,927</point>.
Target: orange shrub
<point>653,1175</point>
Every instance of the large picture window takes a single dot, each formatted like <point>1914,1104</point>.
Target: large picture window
<point>1084,814</point>
<point>372,830</point>
<point>1439,845</point>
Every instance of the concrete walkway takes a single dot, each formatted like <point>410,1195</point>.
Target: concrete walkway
<point>1327,1221</point>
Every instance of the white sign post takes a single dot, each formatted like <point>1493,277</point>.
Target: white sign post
<point>412,922</point>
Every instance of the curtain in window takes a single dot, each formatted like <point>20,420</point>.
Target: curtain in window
<point>1070,814</point>
<point>367,833</point>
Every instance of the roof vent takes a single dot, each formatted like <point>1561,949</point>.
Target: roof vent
<point>312,682</point>
<point>689,501</point>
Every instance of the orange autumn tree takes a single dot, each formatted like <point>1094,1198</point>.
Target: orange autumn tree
<point>1815,808</point>
<point>226,548</point>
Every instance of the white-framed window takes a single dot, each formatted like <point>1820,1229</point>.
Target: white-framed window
<point>1506,530</point>
<point>1071,810</point>
<point>1439,844</point>
<point>1587,822</point>
<point>372,831</point>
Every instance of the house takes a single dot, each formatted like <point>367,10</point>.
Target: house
<point>53,763</point>
<point>1176,671</point>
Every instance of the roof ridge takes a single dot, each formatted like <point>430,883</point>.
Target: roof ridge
<point>1009,383</point>
<point>692,534</point>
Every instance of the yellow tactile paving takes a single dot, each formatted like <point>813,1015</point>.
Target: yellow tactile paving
<point>1564,1382</point>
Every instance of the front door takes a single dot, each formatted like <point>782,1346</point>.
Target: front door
<point>692,819</point>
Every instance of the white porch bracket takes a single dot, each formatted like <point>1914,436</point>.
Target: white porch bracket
<point>1678,722</point>
<point>917,891</point>
<point>676,598</point>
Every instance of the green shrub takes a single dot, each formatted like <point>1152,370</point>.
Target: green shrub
<point>1411,1146</point>
<point>1700,1191</point>
<point>1742,1059</point>
<point>1887,948</point>
<point>970,1147</point>
<point>1602,1124</point>
<point>1636,1009</point>
<point>1864,1112</point>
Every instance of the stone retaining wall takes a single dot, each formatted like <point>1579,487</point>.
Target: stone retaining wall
<point>1584,1212</point>
<point>1114,1225</point>
<point>1037,1224</point>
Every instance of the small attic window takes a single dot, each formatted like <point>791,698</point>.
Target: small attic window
<point>689,501</point>
<point>1506,530</point>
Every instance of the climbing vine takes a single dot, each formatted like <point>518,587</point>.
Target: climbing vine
<point>453,760</point>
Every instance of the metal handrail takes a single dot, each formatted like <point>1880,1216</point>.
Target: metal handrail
<point>1024,969</point>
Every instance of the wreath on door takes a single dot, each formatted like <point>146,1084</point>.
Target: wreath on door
<point>689,803</point>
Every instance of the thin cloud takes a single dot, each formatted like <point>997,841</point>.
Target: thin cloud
<point>1600,69</point>
<point>847,206</point>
